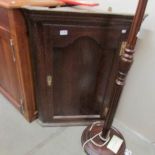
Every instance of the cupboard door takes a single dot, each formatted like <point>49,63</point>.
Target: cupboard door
<point>9,80</point>
<point>73,66</point>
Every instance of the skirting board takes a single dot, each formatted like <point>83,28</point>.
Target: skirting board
<point>122,127</point>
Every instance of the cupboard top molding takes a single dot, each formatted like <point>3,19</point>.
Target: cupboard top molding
<point>20,3</point>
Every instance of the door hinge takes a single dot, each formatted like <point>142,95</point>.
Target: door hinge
<point>13,50</point>
<point>22,109</point>
<point>123,46</point>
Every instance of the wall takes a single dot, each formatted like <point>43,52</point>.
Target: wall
<point>137,104</point>
<point>136,109</point>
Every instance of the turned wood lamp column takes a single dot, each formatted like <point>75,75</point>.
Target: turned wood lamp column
<point>105,129</point>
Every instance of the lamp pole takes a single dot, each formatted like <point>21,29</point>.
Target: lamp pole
<point>124,64</point>
<point>105,130</point>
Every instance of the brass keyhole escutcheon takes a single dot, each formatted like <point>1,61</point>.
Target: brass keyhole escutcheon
<point>49,80</point>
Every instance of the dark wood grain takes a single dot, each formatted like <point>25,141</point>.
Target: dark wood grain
<point>82,64</point>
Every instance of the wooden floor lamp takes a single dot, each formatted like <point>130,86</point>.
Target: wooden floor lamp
<point>95,137</point>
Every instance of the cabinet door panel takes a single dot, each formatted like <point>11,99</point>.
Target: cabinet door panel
<point>75,71</point>
<point>79,66</point>
<point>4,75</point>
<point>8,72</point>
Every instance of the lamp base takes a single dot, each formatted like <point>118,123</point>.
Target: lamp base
<point>92,149</point>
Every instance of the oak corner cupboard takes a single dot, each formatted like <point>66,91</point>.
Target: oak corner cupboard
<point>75,61</point>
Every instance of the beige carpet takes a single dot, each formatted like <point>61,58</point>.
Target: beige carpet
<point>18,137</point>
